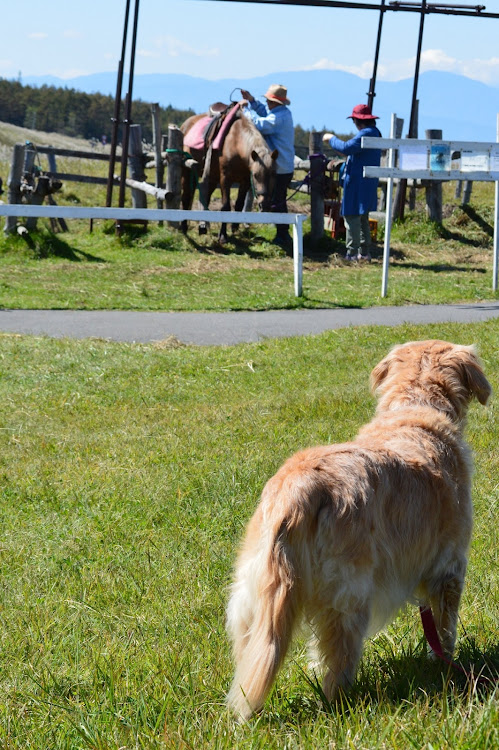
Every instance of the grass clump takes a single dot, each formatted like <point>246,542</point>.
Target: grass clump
<point>128,474</point>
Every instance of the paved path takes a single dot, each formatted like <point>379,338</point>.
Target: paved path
<point>229,327</point>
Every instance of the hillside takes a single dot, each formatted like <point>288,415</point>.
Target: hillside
<point>463,108</point>
<point>12,134</point>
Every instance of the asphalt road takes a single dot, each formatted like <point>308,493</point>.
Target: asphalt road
<point>210,329</point>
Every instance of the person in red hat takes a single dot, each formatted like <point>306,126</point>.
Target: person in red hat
<point>359,192</point>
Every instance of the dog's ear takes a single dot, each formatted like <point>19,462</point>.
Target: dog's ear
<point>471,372</point>
<point>380,372</point>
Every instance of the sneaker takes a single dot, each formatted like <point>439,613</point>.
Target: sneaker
<point>364,257</point>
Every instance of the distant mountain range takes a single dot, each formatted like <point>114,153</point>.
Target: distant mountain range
<point>322,99</point>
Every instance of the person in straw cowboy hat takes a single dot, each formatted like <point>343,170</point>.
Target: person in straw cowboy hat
<point>359,192</point>
<point>275,122</point>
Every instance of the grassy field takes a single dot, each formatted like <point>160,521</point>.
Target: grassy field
<point>163,270</point>
<point>128,473</point>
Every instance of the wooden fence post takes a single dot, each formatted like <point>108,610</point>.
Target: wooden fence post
<point>434,187</point>
<point>14,184</point>
<point>316,186</point>
<point>51,160</point>
<point>468,185</point>
<point>36,196</point>
<point>136,165</point>
<point>174,172</point>
<point>156,134</point>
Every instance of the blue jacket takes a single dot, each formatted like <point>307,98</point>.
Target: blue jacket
<point>276,126</point>
<point>359,192</point>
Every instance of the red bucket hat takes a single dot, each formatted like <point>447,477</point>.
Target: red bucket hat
<point>362,112</point>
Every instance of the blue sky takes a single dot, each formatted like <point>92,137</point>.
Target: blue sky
<point>214,39</point>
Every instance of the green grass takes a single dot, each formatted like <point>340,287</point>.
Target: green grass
<point>128,473</point>
<point>163,270</point>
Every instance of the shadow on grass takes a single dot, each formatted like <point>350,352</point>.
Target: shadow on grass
<point>239,244</point>
<point>474,216</point>
<point>51,245</point>
<point>400,680</point>
<point>399,259</point>
<point>437,267</point>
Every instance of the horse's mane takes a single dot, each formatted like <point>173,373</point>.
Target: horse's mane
<point>255,139</point>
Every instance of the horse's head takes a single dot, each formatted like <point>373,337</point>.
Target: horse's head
<point>262,167</point>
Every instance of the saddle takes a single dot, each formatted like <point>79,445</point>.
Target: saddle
<point>212,127</point>
<point>223,115</point>
<point>208,134</point>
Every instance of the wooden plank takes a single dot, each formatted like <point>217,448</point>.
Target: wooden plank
<point>158,193</point>
<point>68,177</point>
<point>75,154</point>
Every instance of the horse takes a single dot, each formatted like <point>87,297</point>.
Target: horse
<point>244,158</point>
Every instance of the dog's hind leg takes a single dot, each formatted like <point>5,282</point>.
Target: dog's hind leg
<point>445,596</point>
<point>340,637</point>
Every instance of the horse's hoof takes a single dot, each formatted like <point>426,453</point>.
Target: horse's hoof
<point>235,227</point>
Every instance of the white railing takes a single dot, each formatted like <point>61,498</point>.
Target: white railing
<point>418,155</point>
<point>159,214</point>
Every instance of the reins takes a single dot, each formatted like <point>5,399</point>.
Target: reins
<point>433,639</point>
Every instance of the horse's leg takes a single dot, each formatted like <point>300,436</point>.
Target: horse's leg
<point>244,188</point>
<point>206,189</point>
<point>186,195</point>
<point>225,185</point>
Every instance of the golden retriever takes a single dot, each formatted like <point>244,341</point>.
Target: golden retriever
<point>345,534</point>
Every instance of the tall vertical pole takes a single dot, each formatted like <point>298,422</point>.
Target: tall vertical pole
<point>372,83</point>
<point>413,120</point>
<point>496,223</point>
<point>388,217</point>
<point>402,186</point>
<point>117,107</point>
<point>128,109</point>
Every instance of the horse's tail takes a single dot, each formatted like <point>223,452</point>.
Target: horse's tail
<point>266,600</point>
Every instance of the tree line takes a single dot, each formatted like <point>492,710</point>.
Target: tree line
<point>89,116</point>
<point>75,113</point>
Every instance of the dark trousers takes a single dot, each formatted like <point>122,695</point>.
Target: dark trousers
<point>279,201</point>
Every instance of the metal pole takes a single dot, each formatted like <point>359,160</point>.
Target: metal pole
<point>298,254</point>
<point>372,83</point>
<point>388,217</point>
<point>402,187</point>
<point>496,224</point>
<point>117,107</point>
<point>128,109</point>
<point>412,121</point>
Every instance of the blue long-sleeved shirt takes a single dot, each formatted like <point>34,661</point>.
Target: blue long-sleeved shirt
<point>276,126</point>
<point>359,192</point>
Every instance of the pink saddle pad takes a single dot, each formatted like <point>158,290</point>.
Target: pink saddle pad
<point>195,137</point>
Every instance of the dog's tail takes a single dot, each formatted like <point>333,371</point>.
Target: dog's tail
<point>265,602</point>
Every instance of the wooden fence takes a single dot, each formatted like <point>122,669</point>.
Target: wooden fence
<point>27,184</point>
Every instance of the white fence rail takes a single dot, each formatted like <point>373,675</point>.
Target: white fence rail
<point>159,214</point>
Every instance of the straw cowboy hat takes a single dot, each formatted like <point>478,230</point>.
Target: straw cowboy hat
<point>362,112</point>
<point>277,93</point>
